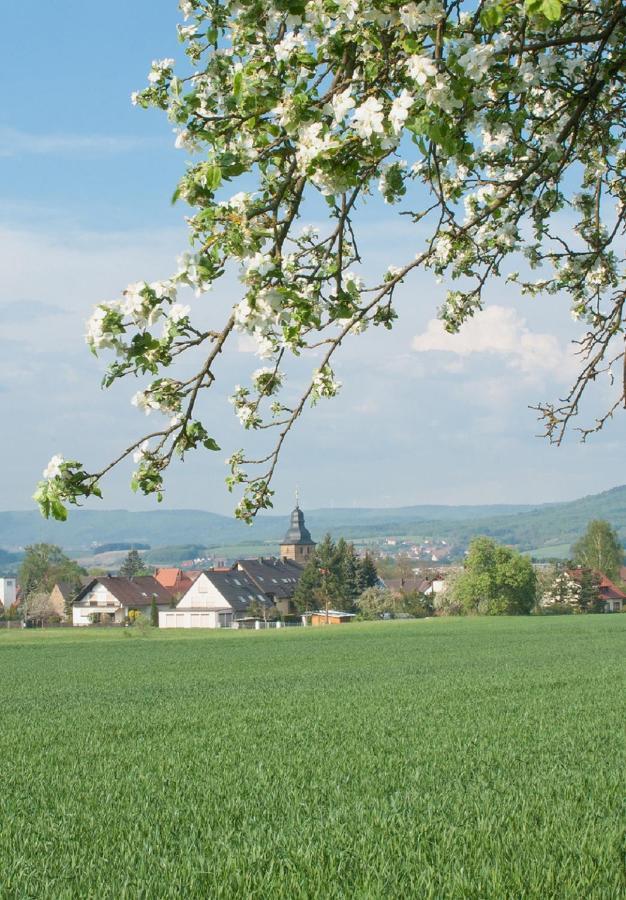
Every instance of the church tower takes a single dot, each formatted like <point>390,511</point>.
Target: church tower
<point>297,543</point>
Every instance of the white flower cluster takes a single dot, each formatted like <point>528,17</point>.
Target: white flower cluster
<point>324,384</point>
<point>160,68</point>
<point>143,304</point>
<point>291,42</point>
<point>368,118</point>
<point>427,13</point>
<point>400,109</point>
<point>421,68</point>
<point>143,400</point>
<point>53,469</point>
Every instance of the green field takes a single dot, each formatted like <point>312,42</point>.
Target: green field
<point>477,758</point>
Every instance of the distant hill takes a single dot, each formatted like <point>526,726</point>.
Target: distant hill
<point>526,527</point>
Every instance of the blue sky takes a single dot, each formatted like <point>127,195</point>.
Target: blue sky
<point>85,181</point>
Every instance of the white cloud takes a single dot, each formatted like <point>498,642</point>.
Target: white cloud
<point>17,143</point>
<point>501,331</point>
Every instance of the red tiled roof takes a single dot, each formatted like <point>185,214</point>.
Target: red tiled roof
<point>174,580</point>
<point>610,591</point>
<point>606,589</point>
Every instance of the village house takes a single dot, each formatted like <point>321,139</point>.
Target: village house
<point>429,585</point>
<point>63,594</point>
<point>610,597</point>
<point>251,589</point>
<point>8,592</point>
<point>112,600</point>
<point>216,600</point>
<point>277,579</point>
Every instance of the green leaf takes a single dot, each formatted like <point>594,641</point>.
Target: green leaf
<point>492,16</point>
<point>213,177</point>
<point>58,511</point>
<point>551,9</point>
<point>211,444</point>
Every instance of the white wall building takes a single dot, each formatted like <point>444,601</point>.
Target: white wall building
<point>8,592</point>
<point>215,600</point>
<point>110,599</point>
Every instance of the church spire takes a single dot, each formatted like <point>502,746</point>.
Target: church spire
<point>297,543</point>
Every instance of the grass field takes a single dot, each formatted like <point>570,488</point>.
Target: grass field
<point>477,758</point>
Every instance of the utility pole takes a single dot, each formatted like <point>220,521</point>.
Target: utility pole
<point>324,573</point>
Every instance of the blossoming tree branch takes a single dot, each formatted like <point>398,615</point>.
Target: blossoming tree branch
<point>498,126</point>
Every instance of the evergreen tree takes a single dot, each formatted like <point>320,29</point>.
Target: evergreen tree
<point>305,594</point>
<point>330,578</point>
<point>589,595</point>
<point>348,568</point>
<point>367,574</point>
<point>154,613</point>
<point>132,565</point>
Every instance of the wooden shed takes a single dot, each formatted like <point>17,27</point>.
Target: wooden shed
<point>332,617</point>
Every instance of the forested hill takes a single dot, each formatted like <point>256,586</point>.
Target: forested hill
<point>527,527</point>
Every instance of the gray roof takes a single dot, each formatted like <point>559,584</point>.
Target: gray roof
<point>272,576</point>
<point>237,589</point>
<point>68,589</point>
<point>297,533</point>
<point>131,592</point>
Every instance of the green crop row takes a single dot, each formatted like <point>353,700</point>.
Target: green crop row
<point>477,758</point>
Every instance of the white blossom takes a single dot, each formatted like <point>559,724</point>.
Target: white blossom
<point>497,140</point>
<point>342,104</point>
<point>428,12</point>
<point>53,469</point>
<point>368,118</point>
<point>140,452</point>
<point>159,68</point>
<point>400,109</point>
<point>144,401</point>
<point>288,45</point>
<point>420,68</point>
<point>476,60</point>
<point>238,201</point>
<point>311,143</point>
<point>178,311</point>
<point>95,335</point>
<point>186,7</point>
<point>443,248</point>
<point>259,264</point>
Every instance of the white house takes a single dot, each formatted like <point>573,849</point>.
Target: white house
<point>216,600</point>
<point>8,592</point>
<point>110,599</point>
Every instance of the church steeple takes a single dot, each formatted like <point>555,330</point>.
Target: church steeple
<point>297,543</point>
